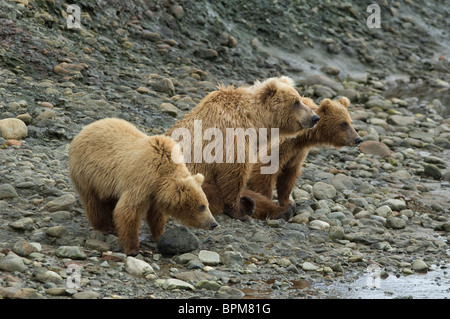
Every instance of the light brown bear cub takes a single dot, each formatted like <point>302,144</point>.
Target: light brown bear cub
<point>123,175</point>
<point>334,129</point>
<point>273,103</point>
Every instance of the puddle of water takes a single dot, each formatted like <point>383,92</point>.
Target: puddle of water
<point>434,284</point>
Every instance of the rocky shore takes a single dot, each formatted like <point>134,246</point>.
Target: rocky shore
<point>381,209</point>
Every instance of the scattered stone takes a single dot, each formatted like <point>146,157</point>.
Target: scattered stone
<point>72,252</point>
<point>7,191</point>
<point>209,258</point>
<point>322,190</point>
<point>206,53</point>
<point>318,225</point>
<point>395,204</point>
<point>12,128</point>
<point>208,285</point>
<point>336,232</point>
<point>26,223</point>
<point>24,249</point>
<point>170,109</point>
<point>12,262</point>
<point>89,294</point>
<point>395,222</point>
<point>227,292</point>
<point>433,171</point>
<point>137,267</point>
<point>308,266</point>
<point>98,245</point>
<point>56,231</point>
<point>233,259</point>
<point>164,85</point>
<point>64,202</point>
<point>177,240</point>
<point>384,211</point>
<point>419,265</point>
<point>177,11</point>
<point>375,148</point>
<point>400,120</point>
<point>173,283</point>
<point>152,36</point>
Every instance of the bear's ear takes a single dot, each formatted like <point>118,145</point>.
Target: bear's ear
<point>286,80</point>
<point>325,105</point>
<point>267,89</point>
<point>199,178</point>
<point>344,101</point>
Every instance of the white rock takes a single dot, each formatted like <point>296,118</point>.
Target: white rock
<point>173,283</point>
<point>318,225</point>
<point>13,129</point>
<point>137,267</point>
<point>209,258</point>
<point>307,266</point>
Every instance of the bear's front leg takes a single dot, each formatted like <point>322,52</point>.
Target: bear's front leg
<point>156,221</point>
<point>127,219</point>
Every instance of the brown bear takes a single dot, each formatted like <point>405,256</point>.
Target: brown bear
<point>271,104</point>
<point>123,175</point>
<point>334,129</point>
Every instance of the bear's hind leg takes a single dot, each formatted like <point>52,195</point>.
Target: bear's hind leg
<point>99,212</point>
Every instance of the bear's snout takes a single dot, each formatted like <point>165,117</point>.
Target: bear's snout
<point>358,141</point>
<point>315,119</point>
<point>214,225</point>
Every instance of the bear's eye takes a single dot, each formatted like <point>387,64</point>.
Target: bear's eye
<point>296,104</point>
<point>344,125</point>
<point>202,208</point>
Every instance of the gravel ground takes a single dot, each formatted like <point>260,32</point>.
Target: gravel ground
<point>364,216</point>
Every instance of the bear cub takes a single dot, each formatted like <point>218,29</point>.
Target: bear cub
<point>122,175</point>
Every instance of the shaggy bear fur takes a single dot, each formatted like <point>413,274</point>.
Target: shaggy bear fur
<point>123,175</point>
<point>273,103</point>
<point>334,129</point>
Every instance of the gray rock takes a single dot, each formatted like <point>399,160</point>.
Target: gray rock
<point>89,294</point>
<point>227,292</point>
<point>64,202</point>
<point>24,249</point>
<point>433,171</point>
<point>395,223</point>
<point>400,120</point>
<point>336,232</point>
<point>209,258</point>
<point>323,190</point>
<point>384,211</point>
<point>395,204</point>
<point>26,223</point>
<point>7,191</point>
<point>343,182</point>
<point>45,276</point>
<point>72,252</point>
<point>173,283</point>
<point>419,265</point>
<point>56,231</point>
<point>308,266</point>
<point>152,36</point>
<point>61,216</point>
<point>12,262</point>
<point>177,240</point>
<point>164,86</point>
<point>232,259</point>
<point>208,285</point>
